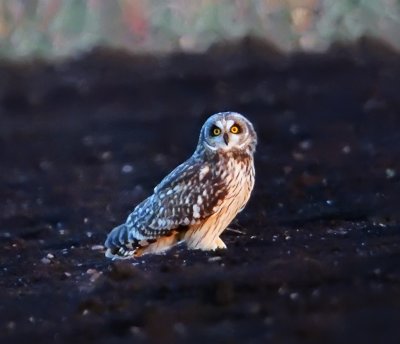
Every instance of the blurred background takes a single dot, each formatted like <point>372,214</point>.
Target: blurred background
<point>53,28</point>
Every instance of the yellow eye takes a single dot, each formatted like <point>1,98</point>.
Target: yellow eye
<point>216,131</point>
<point>234,129</point>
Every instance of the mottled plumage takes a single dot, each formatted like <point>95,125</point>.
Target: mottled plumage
<point>199,198</point>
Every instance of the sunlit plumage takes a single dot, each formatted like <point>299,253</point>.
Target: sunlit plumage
<point>196,202</point>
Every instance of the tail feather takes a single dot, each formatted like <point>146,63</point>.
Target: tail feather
<point>120,246</point>
<point>117,237</point>
<point>123,234</point>
<point>117,243</point>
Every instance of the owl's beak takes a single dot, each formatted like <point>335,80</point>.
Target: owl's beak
<point>226,138</point>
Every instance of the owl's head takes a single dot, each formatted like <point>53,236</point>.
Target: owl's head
<point>227,131</point>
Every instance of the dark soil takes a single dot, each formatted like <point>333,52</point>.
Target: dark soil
<point>314,257</point>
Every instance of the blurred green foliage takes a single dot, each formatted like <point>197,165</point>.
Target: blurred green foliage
<point>53,28</point>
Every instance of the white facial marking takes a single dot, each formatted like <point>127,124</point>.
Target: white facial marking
<point>219,124</point>
<point>210,147</point>
<point>229,123</point>
<point>242,145</point>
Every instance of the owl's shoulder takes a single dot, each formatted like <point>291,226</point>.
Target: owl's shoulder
<point>182,173</point>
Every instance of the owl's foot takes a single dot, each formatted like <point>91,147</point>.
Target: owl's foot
<point>205,245</point>
<point>219,244</point>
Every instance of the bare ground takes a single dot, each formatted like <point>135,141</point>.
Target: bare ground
<point>315,257</point>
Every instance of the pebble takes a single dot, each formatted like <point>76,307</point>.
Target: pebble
<point>339,231</point>
<point>127,169</point>
<point>298,156</point>
<point>107,155</point>
<point>316,293</point>
<point>214,259</point>
<point>305,145</point>
<point>377,271</point>
<point>137,331</point>
<point>287,169</point>
<point>346,149</point>
<point>294,129</point>
<point>45,260</point>
<point>11,325</point>
<point>268,321</point>
<point>390,173</point>
<point>282,290</point>
<point>94,274</point>
<point>180,329</point>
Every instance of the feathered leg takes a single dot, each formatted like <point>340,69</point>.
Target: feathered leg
<point>159,245</point>
<point>198,238</point>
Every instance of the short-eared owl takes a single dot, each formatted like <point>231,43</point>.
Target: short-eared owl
<point>198,199</point>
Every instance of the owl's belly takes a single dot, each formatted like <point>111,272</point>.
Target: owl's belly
<point>236,199</point>
<point>206,234</point>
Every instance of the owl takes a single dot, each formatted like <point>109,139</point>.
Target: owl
<point>197,201</point>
